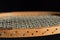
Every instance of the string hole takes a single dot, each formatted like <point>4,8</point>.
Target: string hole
<point>27,31</point>
<point>36,31</point>
<point>4,32</point>
<point>47,29</point>
<point>10,34</point>
<point>15,31</point>
<point>23,34</point>
<point>42,33</point>
<point>52,32</point>
<point>32,34</point>
<point>0,34</point>
<point>56,29</point>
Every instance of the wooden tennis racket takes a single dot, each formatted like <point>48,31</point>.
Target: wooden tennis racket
<point>29,24</point>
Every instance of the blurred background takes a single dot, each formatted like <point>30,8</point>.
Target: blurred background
<point>26,5</point>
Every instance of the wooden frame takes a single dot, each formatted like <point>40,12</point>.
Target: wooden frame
<point>30,32</point>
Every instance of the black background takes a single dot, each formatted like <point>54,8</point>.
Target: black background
<point>26,5</point>
<point>29,5</point>
<point>49,37</point>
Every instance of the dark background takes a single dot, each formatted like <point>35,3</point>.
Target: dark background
<point>29,5</point>
<point>26,5</point>
<point>49,37</point>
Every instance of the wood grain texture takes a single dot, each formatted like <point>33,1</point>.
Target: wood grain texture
<point>29,32</point>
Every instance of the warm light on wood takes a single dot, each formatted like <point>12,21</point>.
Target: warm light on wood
<point>29,32</point>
